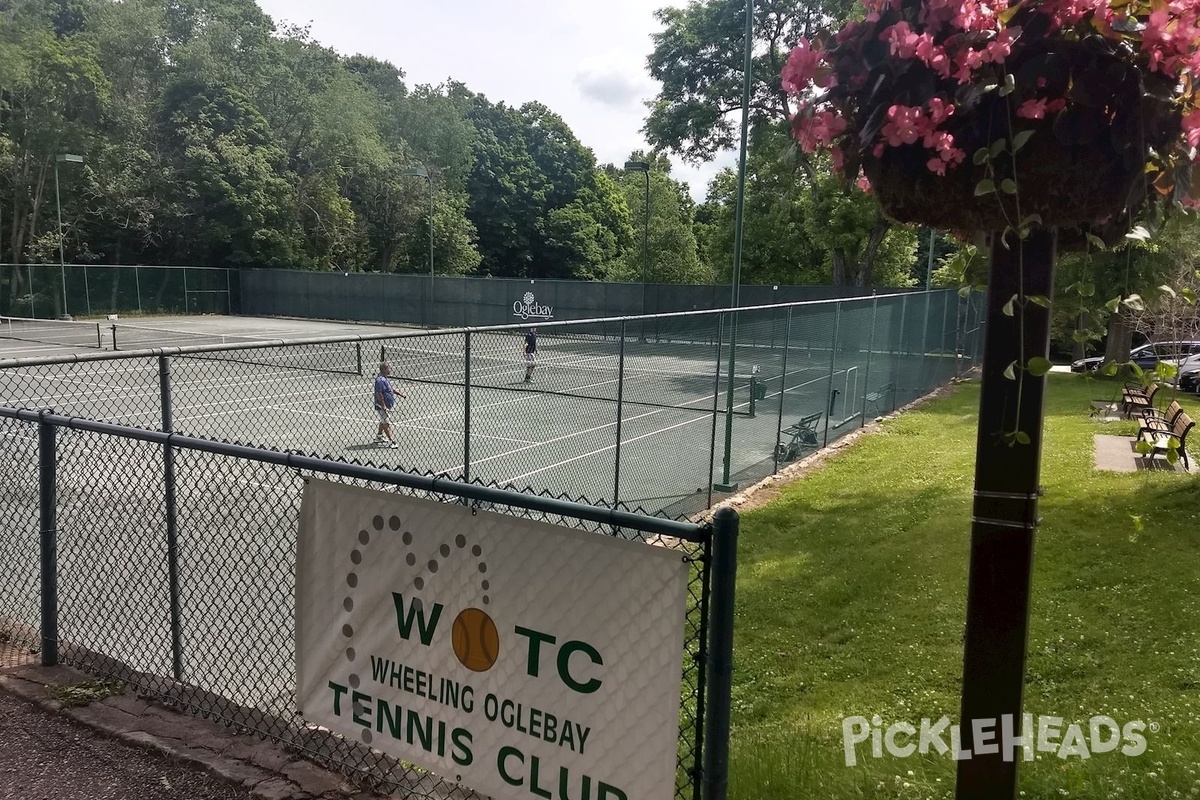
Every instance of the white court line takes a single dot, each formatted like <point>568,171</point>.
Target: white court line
<point>623,441</point>
<point>606,448</point>
<point>706,416</point>
<point>399,423</point>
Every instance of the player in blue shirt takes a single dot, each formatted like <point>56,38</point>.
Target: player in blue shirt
<point>530,353</point>
<point>385,402</point>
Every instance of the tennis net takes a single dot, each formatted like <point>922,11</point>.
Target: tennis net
<point>343,358</point>
<point>594,377</point>
<point>52,331</point>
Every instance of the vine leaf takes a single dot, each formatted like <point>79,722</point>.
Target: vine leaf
<point>1021,139</point>
<point>981,157</point>
<point>985,186</point>
<point>1109,369</point>
<point>1096,242</point>
<point>1134,303</point>
<point>1039,300</point>
<point>1087,289</point>
<point>1111,305</point>
<point>1022,437</point>
<point>1138,234</point>
<point>1010,371</point>
<point>1008,307</point>
<point>1038,366</point>
<point>1188,296</point>
<point>1008,186</point>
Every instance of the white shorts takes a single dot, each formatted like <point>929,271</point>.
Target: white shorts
<point>384,414</point>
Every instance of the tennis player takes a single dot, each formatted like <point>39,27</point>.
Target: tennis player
<point>385,403</point>
<point>530,353</point>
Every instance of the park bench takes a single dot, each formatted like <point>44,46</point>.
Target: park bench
<point>1135,400</point>
<point>1153,423</point>
<point>802,436</point>
<point>876,398</point>
<point>1161,442</point>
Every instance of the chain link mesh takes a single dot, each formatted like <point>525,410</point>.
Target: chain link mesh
<point>644,412</point>
<point>234,594</point>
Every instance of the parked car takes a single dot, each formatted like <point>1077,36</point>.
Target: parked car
<point>1147,355</point>
<point>1189,379</point>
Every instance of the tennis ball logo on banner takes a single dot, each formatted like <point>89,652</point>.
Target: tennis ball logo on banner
<point>474,636</point>
<point>528,308</point>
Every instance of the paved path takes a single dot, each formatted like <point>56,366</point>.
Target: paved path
<point>43,754</point>
<point>124,747</point>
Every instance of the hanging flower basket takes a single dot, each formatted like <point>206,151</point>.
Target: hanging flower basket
<point>980,116</point>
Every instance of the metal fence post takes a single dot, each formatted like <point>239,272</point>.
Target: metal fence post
<point>467,408</point>
<point>867,370</point>
<point>837,321</point>
<point>620,405</point>
<point>48,500</point>
<point>137,282</point>
<point>87,292</point>
<point>712,442</point>
<point>164,384</point>
<point>720,655</point>
<point>185,291</point>
<point>899,345</point>
<point>787,335</point>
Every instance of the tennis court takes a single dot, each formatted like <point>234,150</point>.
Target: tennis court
<point>611,415</point>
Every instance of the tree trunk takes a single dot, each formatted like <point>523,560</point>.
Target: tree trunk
<point>1120,338</point>
<point>841,276</point>
<point>866,266</point>
<point>1004,518</point>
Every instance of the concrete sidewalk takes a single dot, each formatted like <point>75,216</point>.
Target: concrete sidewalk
<point>123,747</point>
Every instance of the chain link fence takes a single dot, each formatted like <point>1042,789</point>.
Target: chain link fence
<point>176,565</point>
<point>48,291</point>
<point>665,414</point>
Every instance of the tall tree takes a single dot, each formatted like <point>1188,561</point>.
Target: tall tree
<point>698,57</point>
<point>671,252</point>
<point>541,207</point>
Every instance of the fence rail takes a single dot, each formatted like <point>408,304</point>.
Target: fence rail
<point>640,412</point>
<point>127,567</point>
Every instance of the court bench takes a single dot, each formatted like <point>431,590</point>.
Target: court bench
<point>876,398</point>
<point>803,436</point>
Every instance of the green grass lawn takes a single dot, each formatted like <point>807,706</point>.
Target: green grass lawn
<point>851,601</point>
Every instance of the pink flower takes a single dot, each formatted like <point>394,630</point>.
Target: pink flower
<point>936,165</point>
<point>1191,127</point>
<point>838,156</point>
<point>863,183</point>
<point>905,125</point>
<point>819,130</point>
<point>902,39</point>
<point>801,67</point>
<point>1032,109</point>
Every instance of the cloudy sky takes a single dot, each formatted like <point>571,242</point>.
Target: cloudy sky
<point>584,59</point>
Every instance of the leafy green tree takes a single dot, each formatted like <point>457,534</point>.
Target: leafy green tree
<point>672,253</point>
<point>52,90</point>
<point>540,206</point>
<point>698,57</point>
<point>235,207</point>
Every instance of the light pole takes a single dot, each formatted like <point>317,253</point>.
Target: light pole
<point>423,172</point>
<point>62,264</point>
<point>725,485</point>
<point>644,168</point>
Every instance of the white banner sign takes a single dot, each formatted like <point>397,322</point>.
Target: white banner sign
<point>518,658</point>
